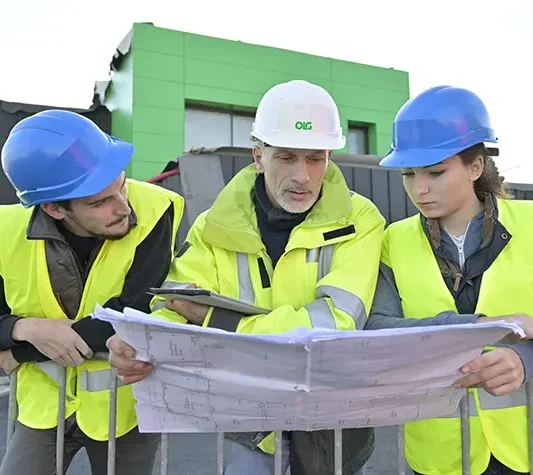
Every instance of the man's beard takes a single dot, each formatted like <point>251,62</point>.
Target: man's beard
<point>110,236</point>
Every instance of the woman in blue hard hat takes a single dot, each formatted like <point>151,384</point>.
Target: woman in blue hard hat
<point>466,257</point>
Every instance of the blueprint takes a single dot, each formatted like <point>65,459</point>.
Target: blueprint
<point>208,380</point>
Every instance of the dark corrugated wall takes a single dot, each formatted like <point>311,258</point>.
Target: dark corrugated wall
<point>521,191</point>
<point>383,187</point>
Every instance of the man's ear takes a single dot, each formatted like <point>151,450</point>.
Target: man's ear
<point>257,153</point>
<point>53,210</point>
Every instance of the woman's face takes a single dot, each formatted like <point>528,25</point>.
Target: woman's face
<point>442,189</point>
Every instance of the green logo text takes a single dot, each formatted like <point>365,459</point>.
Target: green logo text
<point>303,125</point>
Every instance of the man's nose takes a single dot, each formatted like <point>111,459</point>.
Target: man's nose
<point>300,173</point>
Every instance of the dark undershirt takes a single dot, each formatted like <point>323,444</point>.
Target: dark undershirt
<point>275,224</point>
<point>81,245</point>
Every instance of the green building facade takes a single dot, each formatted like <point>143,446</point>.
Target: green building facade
<point>171,91</point>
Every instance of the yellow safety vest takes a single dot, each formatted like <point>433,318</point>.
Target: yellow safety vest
<point>29,293</point>
<point>326,276</point>
<point>498,425</point>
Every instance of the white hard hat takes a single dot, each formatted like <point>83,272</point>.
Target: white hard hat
<point>298,114</point>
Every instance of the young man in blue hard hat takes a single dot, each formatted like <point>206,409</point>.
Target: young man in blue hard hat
<point>287,234</point>
<point>82,235</point>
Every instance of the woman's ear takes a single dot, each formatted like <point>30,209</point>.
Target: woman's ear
<point>476,168</point>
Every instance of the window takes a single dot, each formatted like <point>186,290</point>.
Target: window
<point>358,140</point>
<point>211,129</point>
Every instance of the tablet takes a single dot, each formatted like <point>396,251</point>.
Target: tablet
<point>211,299</point>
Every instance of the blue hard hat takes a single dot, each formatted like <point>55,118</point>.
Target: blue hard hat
<point>58,155</point>
<point>435,125</point>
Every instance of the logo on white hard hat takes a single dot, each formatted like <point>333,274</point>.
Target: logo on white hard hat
<point>299,125</point>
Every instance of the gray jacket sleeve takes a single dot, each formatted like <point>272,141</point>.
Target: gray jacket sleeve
<point>387,312</point>
<point>524,350</point>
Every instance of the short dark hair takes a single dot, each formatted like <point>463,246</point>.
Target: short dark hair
<point>65,204</point>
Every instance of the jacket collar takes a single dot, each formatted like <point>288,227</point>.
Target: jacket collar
<point>231,222</point>
<point>489,216</point>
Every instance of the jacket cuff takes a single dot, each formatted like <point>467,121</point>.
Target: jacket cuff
<point>452,318</point>
<point>6,328</point>
<point>27,353</point>
<point>94,332</point>
<point>524,350</point>
<point>225,319</point>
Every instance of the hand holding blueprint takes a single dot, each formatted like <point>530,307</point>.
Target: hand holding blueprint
<point>208,380</point>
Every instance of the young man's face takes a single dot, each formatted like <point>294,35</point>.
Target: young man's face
<point>103,215</point>
<point>293,177</point>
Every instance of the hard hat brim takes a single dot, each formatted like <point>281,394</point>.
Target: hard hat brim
<point>117,159</point>
<point>414,158</point>
<point>418,157</point>
<point>287,140</point>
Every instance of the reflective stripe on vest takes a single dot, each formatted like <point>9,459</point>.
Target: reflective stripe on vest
<point>346,301</point>
<point>312,255</point>
<point>52,370</point>
<point>320,313</point>
<point>246,288</point>
<point>92,381</point>
<point>324,260</point>
<point>323,255</point>
<point>95,381</point>
<point>489,402</point>
<point>472,410</point>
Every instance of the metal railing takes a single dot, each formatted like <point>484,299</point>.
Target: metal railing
<point>278,457</point>
<point>465,434</point>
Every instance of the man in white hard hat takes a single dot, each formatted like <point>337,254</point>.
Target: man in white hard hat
<point>286,234</point>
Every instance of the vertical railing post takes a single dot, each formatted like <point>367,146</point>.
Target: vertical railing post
<point>337,444</point>
<point>220,453</point>
<point>402,463</point>
<point>60,436</point>
<point>112,428</point>
<point>164,454</point>
<point>13,407</point>
<point>278,454</point>
<point>529,399</point>
<point>465,433</point>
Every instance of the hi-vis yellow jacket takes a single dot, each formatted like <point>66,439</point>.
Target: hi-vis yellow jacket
<point>498,425</point>
<point>326,276</point>
<point>28,291</point>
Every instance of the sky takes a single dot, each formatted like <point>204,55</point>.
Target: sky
<point>53,51</point>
